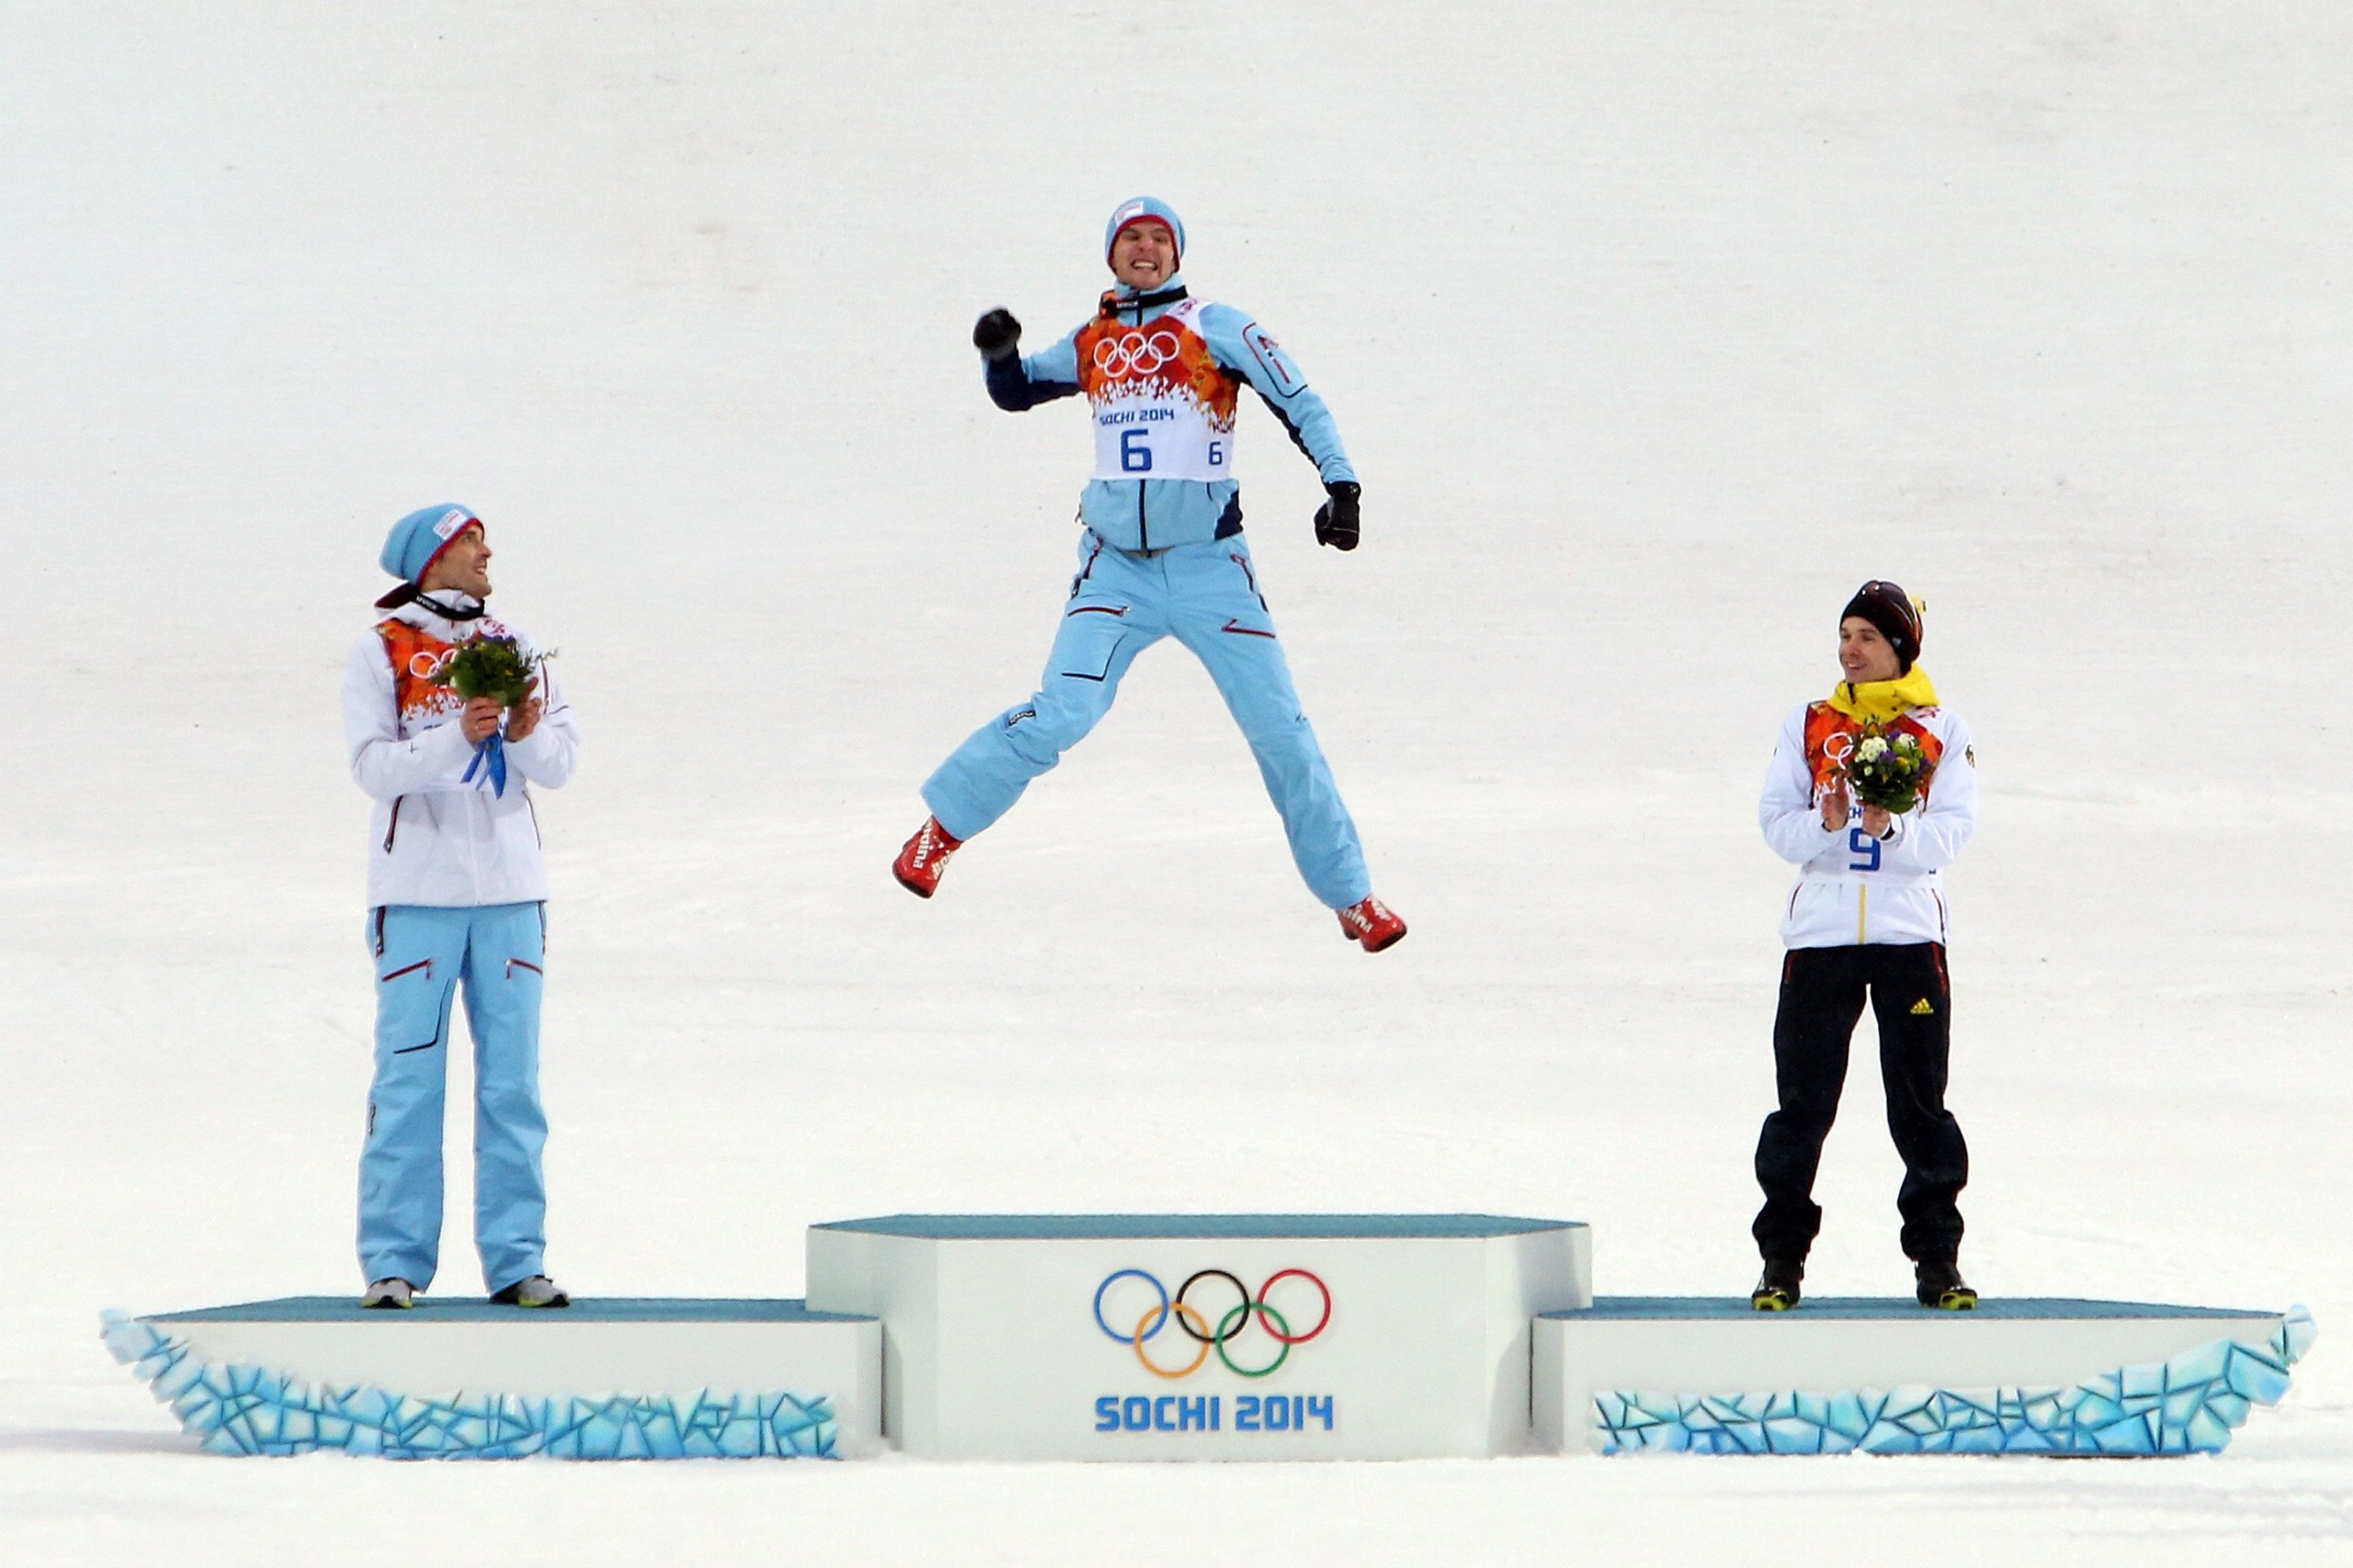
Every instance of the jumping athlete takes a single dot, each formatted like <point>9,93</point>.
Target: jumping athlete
<point>1161,554</point>
<point>1867,916</point>
<point>457,896</point>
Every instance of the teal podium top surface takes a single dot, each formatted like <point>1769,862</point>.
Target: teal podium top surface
<point>1863,1308</point>
<point>1195,1226</point>
<point>474,1310</point>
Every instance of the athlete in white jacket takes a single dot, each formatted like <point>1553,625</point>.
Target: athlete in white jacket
<point>457,892</point>
<point>1867,918</point>
<point>1859,884</point>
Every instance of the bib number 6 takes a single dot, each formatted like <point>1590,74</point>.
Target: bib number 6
<point>1135,451</point>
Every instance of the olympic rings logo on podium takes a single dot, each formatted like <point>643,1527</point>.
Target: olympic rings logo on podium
<point>1249,1309</point>
<point>1140,353</point>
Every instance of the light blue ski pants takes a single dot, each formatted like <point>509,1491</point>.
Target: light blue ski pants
<point>1205,596</point>
<point>422,954</point>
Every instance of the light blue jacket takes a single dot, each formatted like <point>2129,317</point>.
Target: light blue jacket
<point>1153,514</point>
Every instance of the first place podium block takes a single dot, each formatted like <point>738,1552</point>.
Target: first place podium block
<point>1203,1336</point>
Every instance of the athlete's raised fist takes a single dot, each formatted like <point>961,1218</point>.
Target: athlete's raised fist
<point>1336,520</point>
<point>998,335</point>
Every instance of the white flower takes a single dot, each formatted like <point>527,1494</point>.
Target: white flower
<point>1872,750</point>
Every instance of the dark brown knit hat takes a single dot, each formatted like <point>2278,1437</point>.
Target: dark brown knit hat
<point>1890,609</point>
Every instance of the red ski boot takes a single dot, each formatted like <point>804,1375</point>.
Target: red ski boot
<point>1373,923</point>
<point>925,857</point>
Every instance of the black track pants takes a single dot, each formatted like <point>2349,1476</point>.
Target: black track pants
<point>1822,990</point>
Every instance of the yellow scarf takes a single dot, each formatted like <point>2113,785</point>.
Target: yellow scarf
<point>1885,701</point>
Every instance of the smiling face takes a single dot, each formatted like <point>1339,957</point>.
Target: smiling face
<point>1865,654</point>
<point>1143,255</point>
<point>464,564</point>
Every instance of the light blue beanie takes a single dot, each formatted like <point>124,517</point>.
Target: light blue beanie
<point>1139,209</point>
<point>415,541</point>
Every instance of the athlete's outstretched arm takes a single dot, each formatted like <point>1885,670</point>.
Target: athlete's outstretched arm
<point>1243,346</point>
<point>1016,384</point>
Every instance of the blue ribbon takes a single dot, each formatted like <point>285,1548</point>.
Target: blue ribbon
<point>490,756</point>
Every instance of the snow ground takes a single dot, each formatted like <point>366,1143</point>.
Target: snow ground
<point>1653,330</point>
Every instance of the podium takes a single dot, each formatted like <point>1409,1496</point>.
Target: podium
<point>1170,1337</point>
<point>2026,1375</point>
<point>463,1379</point>
<point>1203,1336</point>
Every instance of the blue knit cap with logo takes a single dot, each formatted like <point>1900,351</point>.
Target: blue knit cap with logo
<point>410,548</point>
<point>1145,210</point>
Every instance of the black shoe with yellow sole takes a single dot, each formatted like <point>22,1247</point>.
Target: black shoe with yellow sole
<point>1942,1286</point>
<point>1778,1291</point>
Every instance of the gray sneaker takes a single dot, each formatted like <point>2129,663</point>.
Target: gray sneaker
<point>390,1293</point>
<point>538,1291</point>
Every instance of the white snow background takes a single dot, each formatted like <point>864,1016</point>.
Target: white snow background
<point>1653,330</point>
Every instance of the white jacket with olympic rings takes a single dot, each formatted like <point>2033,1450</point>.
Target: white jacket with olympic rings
<point>1853,890</point>
<point>436,837</point>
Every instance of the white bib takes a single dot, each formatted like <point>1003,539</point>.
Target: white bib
<point>1163,406</point>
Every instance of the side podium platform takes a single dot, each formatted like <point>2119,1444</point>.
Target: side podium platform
<point>451,1379</point>
<point>2033,1375</point>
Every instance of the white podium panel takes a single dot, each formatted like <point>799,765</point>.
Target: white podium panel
<point>1203,1336</point>
<point>600,1379</point>
<point>2028,1374</point>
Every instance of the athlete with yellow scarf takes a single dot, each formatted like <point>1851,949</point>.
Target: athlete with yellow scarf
<point>1866,919</point>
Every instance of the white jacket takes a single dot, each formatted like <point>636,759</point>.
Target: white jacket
<point>436,838</point>
<point>1856,890</point>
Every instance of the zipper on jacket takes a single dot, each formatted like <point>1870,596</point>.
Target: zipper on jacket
<point>392,829</point>
<point>1143,529</point>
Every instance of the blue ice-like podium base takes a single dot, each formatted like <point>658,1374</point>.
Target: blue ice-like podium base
<point>2189,1404</point>
<point>251,1410</point>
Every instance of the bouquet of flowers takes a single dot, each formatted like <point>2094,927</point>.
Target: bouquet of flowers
<point>1888,771</point>
<point>493,667</point>
<point>501,669</point>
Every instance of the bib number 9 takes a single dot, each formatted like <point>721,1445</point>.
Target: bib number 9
<point>1866,851</point>
<point>1135,451</point>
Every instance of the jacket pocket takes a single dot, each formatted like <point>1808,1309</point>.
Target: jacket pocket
<point>1250,580</point>
<point>1811,909</point>
<point>1091,548</point>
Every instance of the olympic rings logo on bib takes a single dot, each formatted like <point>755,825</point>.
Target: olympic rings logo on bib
<point>1209,1336</point>
<point>1137,354</point>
